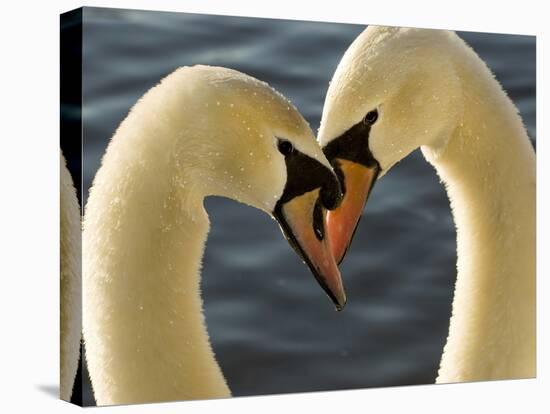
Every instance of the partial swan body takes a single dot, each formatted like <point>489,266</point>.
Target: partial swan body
<point>70,282</point>
<point>202,131</point>
<point>396,90</point>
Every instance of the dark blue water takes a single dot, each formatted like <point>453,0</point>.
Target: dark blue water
<point>272,328</point>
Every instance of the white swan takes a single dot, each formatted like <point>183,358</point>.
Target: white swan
<point>399,89</point>
<point>202,131</point>
<point>70,282</point>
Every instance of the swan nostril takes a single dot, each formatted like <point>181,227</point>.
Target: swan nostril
<point>318,224</point>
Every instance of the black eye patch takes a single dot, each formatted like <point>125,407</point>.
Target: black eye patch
<point>353,145</point>
<point>305,174</point>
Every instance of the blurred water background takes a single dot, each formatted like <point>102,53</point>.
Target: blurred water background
<point>272,328</point>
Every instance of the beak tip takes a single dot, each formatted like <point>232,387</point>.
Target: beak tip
<point>340,303</point>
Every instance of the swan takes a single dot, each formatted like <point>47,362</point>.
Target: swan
<point>399,89</point>
<point>202,131</point>
<point>70,282</point>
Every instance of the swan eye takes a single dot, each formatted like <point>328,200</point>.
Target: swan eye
<point>285,147</point>
<point>371,117</point>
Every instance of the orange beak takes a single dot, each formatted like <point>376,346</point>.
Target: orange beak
<point>341,223</point>
<point>302,220</point>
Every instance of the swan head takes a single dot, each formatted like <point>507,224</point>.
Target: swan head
<point>394,90</point>
<point>247,142</point>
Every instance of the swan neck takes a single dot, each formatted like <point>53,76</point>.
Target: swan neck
<point>70,282</point>
<point>144,236</point>
<point>488,169</point>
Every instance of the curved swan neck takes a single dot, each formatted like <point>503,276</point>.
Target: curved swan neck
<point>488,168</point>
<point>144,237</point>
<point>70,283</point>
